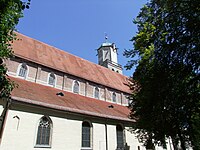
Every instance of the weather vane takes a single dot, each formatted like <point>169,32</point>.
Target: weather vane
<point>106,37</point>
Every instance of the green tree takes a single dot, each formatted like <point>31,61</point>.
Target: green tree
<point>167,54</point>
<point>10,12</point>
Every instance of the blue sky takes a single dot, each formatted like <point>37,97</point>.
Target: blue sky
<point>79,26</point>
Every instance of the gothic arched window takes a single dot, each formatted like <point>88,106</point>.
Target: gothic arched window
<point>96,93</point>
<point>44,131</point>
<point>23,69</point>
<point>120,137</point>
<point>52,79</point>
<point>86,135</point>
<point>114,97</point>
<point>76,87</point>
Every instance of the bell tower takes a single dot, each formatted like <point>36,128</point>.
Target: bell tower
<point>107,57</point>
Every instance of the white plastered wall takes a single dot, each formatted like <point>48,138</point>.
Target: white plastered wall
<point>112,137</point>
<point>99,137</point>
<point>64,137</point>
<point>20,134</point>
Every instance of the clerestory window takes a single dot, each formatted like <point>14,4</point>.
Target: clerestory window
<point>96,93</point>
<point>76,87</point>
<point>114,97</point>
<point>23,69</point>
<point>52,79</point>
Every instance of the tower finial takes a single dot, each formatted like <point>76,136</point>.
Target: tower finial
<point>106,37</point>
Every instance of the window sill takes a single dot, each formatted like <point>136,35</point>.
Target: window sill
<point>86,148</point>
<point>120,148</point>
<point>42,146</point>
<point>21,77</point>
<point>51,85</point>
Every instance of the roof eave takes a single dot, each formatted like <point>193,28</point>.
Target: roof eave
<point>68,109</point>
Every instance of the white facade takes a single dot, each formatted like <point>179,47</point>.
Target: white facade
<point>21,125</point>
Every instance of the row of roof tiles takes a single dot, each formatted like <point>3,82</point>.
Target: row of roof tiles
<point>37,94</point>
<point>52,57</point>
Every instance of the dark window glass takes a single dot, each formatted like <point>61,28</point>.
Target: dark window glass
<point>86,134</point>
<point>96,93</point>
<point>120,137</point>
<point>51,79</point>
<point>114,97</point>
<point>76,87</point>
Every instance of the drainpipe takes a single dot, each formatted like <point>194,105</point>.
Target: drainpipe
<point>106,131</point>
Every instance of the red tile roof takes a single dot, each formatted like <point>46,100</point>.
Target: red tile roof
<point>45,96</point>
<point>52,57</point>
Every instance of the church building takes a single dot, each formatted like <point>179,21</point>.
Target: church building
<point>63,102</point>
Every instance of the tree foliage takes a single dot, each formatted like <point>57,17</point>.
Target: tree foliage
<point>167,47</point>
<point>10,12</point>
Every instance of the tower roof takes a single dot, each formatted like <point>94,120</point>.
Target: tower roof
<point>106,44</point>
